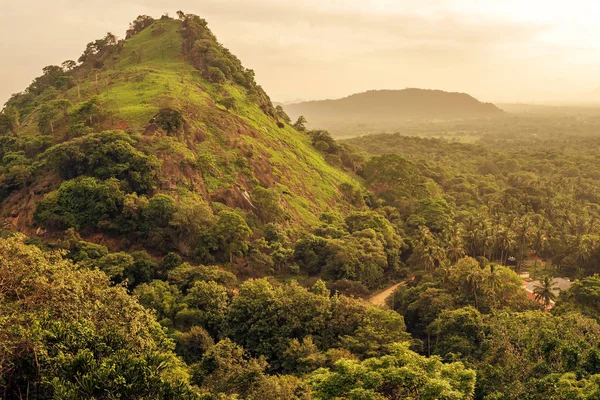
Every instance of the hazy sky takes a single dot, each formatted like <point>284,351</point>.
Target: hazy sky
<point>505,50</point>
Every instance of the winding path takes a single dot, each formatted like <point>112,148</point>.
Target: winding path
<point>379,298</point>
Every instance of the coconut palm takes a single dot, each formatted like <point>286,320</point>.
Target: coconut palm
<point>474,279</point>
<point>427,253</point>
<point>505,240</point>
<point>545,291</point>
<point>456,245</point>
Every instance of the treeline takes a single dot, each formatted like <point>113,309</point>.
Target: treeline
<point>502,204</point>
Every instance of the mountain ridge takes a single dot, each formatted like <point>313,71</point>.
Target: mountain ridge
<point>390,108</point>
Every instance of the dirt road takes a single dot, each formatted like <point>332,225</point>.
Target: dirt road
<point>379,298</point>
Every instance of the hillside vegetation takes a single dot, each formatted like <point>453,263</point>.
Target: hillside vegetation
<point>182,128</point>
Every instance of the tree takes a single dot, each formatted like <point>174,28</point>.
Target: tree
<point>281,114</point>
<point>227,368</point>
<point>210,301</point>
<point>401,374</point>
<point>45,119</point>
<point>81,203</point>
<point>68,65</point>
<point>63,105</point>
<point>268,204</point>
<point>233,233</point>
<point>583,297</point>
<point>427,253</point>
<point>92,340</point>
<point>88,109</point>
<point>139,24</point>
<point>505,240</point>
<point>164,298</point>
<point>300,124</point>
<point>459,334</point>
<point>545,291</point>
<point>264,318</point>
<point>9,120</point>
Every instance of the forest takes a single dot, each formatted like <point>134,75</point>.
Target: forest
<point>168,233</point>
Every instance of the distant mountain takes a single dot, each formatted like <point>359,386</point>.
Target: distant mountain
<point>387,109</point>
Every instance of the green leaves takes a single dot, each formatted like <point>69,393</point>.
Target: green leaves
<point>402,374</point>
<point>66,333</point>
<point>105,155</point>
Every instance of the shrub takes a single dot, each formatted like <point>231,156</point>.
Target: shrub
<point>105,155</point>
<point>169,119</point>
<point>81,203</point>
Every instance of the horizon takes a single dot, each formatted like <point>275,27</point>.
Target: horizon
<point>540,54</point>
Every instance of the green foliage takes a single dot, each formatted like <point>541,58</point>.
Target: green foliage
<point>233,232</point>
<point>67,334</point>
<point>209,301</point>
<point>85,112</point>
<point>105,155</point>
<point>281,114</point>
<point>9,120</point>
<point>217,64</point>
<point>452,221</point>
<point>268,204</point>
<point>139,24</point>
<point>228,103</point>
<point>547,345</point>
<point>81,203</point>
<point>169,119</point>
<point>394,179</point>
<point>402,374</point>
<point>264,318</point>
<point>583,297</point>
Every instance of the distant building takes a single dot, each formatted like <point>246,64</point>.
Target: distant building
<point>559,284</point>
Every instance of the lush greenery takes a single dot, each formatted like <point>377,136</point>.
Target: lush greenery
<point>189,240</point>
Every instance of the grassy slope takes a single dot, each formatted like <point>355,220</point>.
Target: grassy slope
<point>244,147</point>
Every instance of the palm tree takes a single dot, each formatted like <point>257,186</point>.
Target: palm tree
<point>474,279</point>
<point>493,280</point>
<point>505,241</point>
<point>524,233</point>
<point>544,291</point>
<point>456,245</point>
<point>427,253</point>
<point>588,245</point>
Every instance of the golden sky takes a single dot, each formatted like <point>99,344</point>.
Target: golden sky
<point>508,50</point>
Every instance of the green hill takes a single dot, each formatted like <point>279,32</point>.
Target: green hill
<point>167,111</point>
<point>387,110</point>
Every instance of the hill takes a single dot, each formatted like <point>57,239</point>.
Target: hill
<point>380,110</point>
<point>168,117</point>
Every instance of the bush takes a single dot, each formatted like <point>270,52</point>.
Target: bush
<point>215,75</point>
<point>105,155</point>
<point>81,203</point>
<point>227,102</point>
<point>169,119</point>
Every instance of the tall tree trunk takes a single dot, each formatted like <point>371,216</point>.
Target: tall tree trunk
<point>96,77</point>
